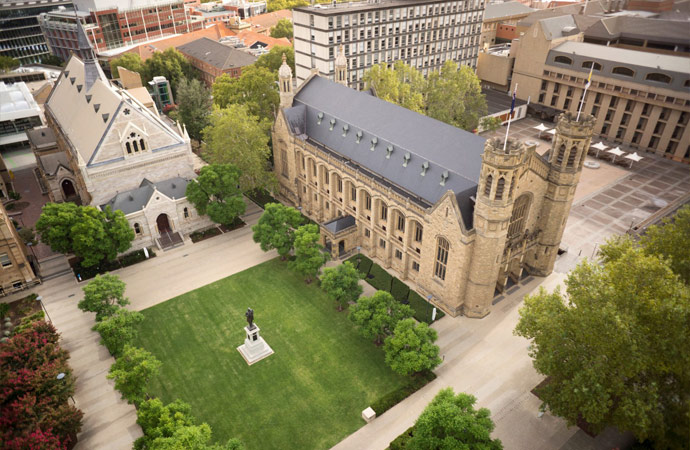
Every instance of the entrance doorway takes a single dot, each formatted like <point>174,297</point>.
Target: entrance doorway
<point>341,248</point>
<point>68,189</point>
<point>163,224</point>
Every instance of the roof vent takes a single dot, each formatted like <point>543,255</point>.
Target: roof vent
<point>444,177</point>
<point>96,106</point>
<point>66,73</point>
<point>406,159</point>
<point>79,87</point>
<point>389,151</point>
<point>359,136</point>
<point>72,80</point>
<point>332,124</point>
<point>319,118</point>
<point>130,198</point>
<point>88,99</point>
<point>105,117</point>
<point>425,167</point>
<point>374,141</point>
<point>346,128</point>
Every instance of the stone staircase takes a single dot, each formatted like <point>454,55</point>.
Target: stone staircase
<point>54,266</point>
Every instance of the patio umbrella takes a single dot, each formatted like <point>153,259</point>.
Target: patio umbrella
<point>633,157</point>
<point>541,127</point>
<point>616,152</point>
<point>552,131</point>
<point>600,146</point>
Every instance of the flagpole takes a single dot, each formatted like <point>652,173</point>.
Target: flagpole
<point>510,117</point>
<point>584,94</point>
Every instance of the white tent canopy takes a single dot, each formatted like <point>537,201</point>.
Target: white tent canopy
<point>600,146</point>
<point>552,131</point>
<point>615,152</point>
<point>541,127</point>
<point>633,157</point>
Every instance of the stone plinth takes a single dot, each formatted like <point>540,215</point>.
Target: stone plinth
<point>368,415</point>
<point>254,348</point>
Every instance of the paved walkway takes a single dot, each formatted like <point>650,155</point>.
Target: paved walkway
<point>109,422</point>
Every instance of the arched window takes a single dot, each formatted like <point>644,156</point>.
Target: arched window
<point>134,143</point>
<point>658,77</point>
<point>620,70</point>
<point>561,154</point>
<point>487,186</point>
<point>500,186</point>
<point>367,201</point>
<point>129,148</point>
<point>141,144</point>
<point>137,228</point>
<point>519,217</point>
<point>571,156</point>
<point>399,222</point>
<point>418,231</point>
<point>563,60</point>
<point>588,65</point>
<point>186,213</point>
<point>442,248</point>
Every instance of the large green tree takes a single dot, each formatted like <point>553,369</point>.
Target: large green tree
<point>454,96</point>
<point>132,372</point>
<point>671,240</point>
<point>616,347</point>
<point>309,256</point>
<point>282,29</point>
<point>172,65</point>
<point>411,348</point>
<point>276,228</point>
<point>256,88</point>
<point>118,330</point>
<point>277,5</point>
<point>7,63</point>
<point>378,315</point>
<point>104,295</point>
<point>451,422</point>
<point>194,108</point>
<point>403,85</point>
<point>215,192</point>
<point>341,283</point>
<point>89,233</point>
<point>130,61</point>
<point>237,137</point>
<point>274,58</point>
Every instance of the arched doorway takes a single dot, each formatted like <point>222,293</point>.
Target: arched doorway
<point>163,224</point>
<point>68,190</point>
<point>341,248</point>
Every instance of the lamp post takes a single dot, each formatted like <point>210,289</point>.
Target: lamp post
<point>39,299</point>
<point>61,376</point>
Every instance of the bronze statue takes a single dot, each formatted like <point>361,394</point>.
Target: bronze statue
<point>250,317</point>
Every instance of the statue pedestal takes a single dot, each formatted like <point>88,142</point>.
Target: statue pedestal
<point>254,348</point>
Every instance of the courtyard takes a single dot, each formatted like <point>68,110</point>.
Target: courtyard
<point>309,394</point>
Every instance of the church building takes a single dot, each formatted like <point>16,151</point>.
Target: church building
<point>103,147</point>
<point>454,215</point>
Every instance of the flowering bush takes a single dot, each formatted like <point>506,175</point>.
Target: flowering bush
<point>35,440</point>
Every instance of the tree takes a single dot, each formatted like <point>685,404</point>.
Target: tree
<point>89,233</point>
<point>490,123</point>
<point>256,88</point>
<point>132,372</point>
<point>454,96</point>
<point>411,349</point>
<point>451,422</point>
<point>342,283</point>
<point>215,192</point>
<point>378,315</point>
<point>237,137</point>
<point>118,330</point>
<point>616,347</point>
<point>403,85</point>
<point>52,60</point>
<point>194,102</point>
<point>308,255</point>
<point>282,29</point>
<point>104,295</point>
<point>670,240</point>
<point>276,228</point>
<point>172,65</point>
<point>130,61</point>
<point>277,5</point>
<point>7,63</point>
<point>274,58</point>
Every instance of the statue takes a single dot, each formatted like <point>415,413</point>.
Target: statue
<point>250,317</point>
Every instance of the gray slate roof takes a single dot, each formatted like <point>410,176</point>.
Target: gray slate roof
<point>340,224</point>
<point>556,27</point>
<point>216,54</point>
<point>507,9</point>
<point>135,199</point>
<point>446,149</point>
<point>41,137</point>
<point>498,101</point>
<point>612,28</point>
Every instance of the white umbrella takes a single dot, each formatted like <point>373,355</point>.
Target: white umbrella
<point>552,131</point>
<point>541,127</point>
<point>599,146</point>
<point>633,157</point>
<point>616,152</point>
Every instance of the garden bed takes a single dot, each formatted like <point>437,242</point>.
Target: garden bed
<point>86,273</point>
<point>260,197</point>
<point>199,236</point>
<point>21,308</point>
<point>381,280</point>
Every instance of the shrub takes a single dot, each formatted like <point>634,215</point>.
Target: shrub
<point>118,330</point>
<point>400,443</point>
<point>4,310</point>
<point>128,259</point>
<point>27,321</point>
<point>261,197</point>
<point>422,308</point>
<point>392,398</point>
<point>379,278</point>
<point>35,440</point>
<point>399,290</point>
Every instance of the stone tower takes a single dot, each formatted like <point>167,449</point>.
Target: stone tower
<point>341,67</point>
<point>492,212</point>
<point>568,152</point>
<point>285,84</point>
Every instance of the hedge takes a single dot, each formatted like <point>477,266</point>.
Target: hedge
<point>128,259</point>
<point>399,290</point>
<point>379,278</point>
<point>361,263</point>
<point>261,197</point>
<point>400,443</point>
<point>392,398</point>
<point>423,309</point>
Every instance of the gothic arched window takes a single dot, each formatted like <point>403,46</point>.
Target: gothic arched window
<point>137,228</point>
<point>571,156</point>
<point>517,220</point>
<point>500,186</point>
<point>487,186</point>
<point>442,249</point>
<point>134,143</point>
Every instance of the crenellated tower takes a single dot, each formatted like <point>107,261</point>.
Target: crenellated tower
<point>492,212</point>
<point>285,84</point>
<point>341,66</point>
<point>568,152</point>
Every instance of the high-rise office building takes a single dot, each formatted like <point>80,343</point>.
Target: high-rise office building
<point>422,33</point>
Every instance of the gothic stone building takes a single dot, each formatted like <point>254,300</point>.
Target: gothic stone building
<point>103,147</point>
<point>452,214</point>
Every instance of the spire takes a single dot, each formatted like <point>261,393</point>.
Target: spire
<point>341,67</point>
<point>92,70</point>
<point>285,84</point>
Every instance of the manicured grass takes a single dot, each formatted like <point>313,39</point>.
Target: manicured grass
<point>308,395</point>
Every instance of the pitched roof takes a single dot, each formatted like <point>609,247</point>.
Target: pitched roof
<point>339,224</point>
<point>252,37</point>
<point>146,50</point>
<point>611,28</point>
<point>405,143</point>
<point>558,27</point>
<point>268,20</point>
<point>216,54</point>
<point>507,9</point>
<point>593,7</point>
<point>135,199</point>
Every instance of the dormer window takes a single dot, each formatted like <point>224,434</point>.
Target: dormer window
<point>359,136</point>
<point>319,118</point>
<point>346,128</point>
<point>406,159</point>
<point>332,124</point>
<point>374,141</point>
<point>389,151</point>
<point>425,167</point>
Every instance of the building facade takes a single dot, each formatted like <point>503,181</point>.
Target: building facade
<point>21,37</point>
<point>213,59</point>
<point>500,20</point>
<point>457,217</point>
<point>15,269</point>
<point>422,33</point>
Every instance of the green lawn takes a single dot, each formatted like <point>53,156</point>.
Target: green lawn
<point>308,395</point>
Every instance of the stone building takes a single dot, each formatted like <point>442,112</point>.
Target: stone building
<point>104,147</point>
<point>15,270</point>
<point>455,216</point>
<point>213,59</point>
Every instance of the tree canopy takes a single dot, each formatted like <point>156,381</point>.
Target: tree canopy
<point>104,295</point>
<point>237,137</point>
<point>170,64</point>
<point>132,372</point>
<point>118,330</point>
<point>616,347</point>
<point>274,58</point>
<point>130,61</point>
<point>215,192</point>
<point>411,348</point>
<point>7,63</point>
<point>256,88</point>
<point>276,228</point>
<point>671,240</point>
<point>451,422</point>
<point>194,102</point>
<point>341,283</point>
<point>308,255</point>
<point>378,315</point>
<point>403,85</point>
<point>277,5</point>
<point>282,29</point>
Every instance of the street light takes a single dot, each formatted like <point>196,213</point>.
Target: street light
<point>39,299</point>
<point>60,376</point>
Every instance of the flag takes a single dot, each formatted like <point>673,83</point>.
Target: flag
<point>589,78</point>
<point>512,103</point>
